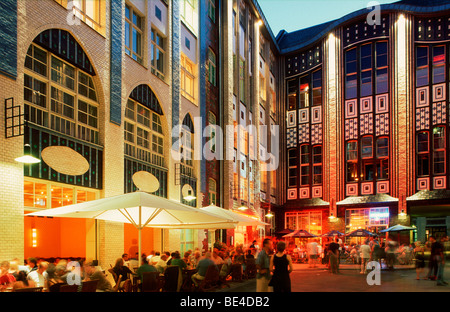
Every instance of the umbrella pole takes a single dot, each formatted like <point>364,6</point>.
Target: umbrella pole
<point>140,241</point>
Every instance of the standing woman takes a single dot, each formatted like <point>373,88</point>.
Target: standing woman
<point>281,266</point>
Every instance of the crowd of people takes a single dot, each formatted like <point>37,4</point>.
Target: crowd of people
<point>273,259</point>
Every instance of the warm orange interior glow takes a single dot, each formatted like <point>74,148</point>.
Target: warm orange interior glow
<point>131,240</point>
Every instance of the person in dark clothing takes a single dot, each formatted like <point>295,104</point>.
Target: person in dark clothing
<point>432,264</point>
<point>281,266</point>
<point>333,253</point>
<point>121,271</point>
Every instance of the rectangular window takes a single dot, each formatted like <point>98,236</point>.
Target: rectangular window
<point>317,88</point>
<point>211,67</point>
<point>421,66</point>
<point>292,95</point>
<point>381,50</point>
<point>350,74</point>
<point>292,168</point>
<point>143,138</point>
<point>187,78</point>
<point>439,154</point>
<point>305,165</point>
<point>157,54</point>
<point>87,114</point>
<point>317,165</point>
<point>212,192</point>
<point>134,26</point>
<point>35,91</point>
<point>62,73</point>
<point>35,195</point>
<point>352,161</point>
<point>89,12</point>
<point>438,64</point>
<point>423,158</point>
<point>62,103</point>
<point>36,60</point>
<point>86,86</point>
<point>366,70</point>
<point>304,92</point>
<point>212,10</point>
<point>129,132</point>
<point>367,147</point>
<point>242,80</point>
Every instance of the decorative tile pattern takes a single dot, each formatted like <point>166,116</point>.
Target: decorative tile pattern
<point>440,183</point>
<point>316,114</point>
<point>366,124</point>
<point>382,103</point>
<point>292,194</point>
<point>422,118</point>
<point>316,134</point>
<point>303,133</point>
<point>304,193</point>
<point>291,139</point>
<point>303,115</point>
<point>423,184</point>
<point>439,113</point>
<point>367,188</point>
<point>352,189</point>
<point>291,119</point>
<point>351,129</point>
<point>383,187</point>
<point>382,124</point>
<point>350,109</point>
<point>422,97</point>
<point>317,191</point>
<point>439,93</point>
<point>366,105</point>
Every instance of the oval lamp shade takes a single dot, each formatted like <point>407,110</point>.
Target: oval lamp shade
<point>145,181</point>
<point>187,190</point>
<point>65,160</point>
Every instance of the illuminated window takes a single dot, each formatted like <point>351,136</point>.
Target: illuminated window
<point>134,26</point>
<point>304,92</point>
<point>292,95</point>
<point>352,161</point>
<point>382,158</point>
<point>382,82</point>
<point>35,195</point>
<point>187,78</point>
<point>89,11</point>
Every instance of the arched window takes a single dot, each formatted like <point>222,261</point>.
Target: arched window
<point>58,94</point>
<point>187,146</point>
<point>143,131</point>
<point>382,151</point>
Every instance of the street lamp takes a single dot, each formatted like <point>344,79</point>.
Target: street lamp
<point>189,196</point>
<point>27,158</point>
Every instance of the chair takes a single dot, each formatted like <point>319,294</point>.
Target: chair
<point>127,286</point>
<point>150,282</point>
<point>211,280</point>
<point>173,279</point>
<point>68,288</point>
<point>89,286</point>
<point>56,287</point>
<point>236,272</point>
<point>29,289</point>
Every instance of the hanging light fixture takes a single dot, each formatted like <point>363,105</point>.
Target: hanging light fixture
<point>189,196</point>
<point>402,214</point>
<point>269,214</point>
<point>332,217</point>
<point>243,208</point>
<point>27,158</point>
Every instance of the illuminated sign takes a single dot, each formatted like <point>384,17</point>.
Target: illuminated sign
<point>378,215</point>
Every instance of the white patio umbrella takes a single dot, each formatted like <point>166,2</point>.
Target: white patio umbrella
<point>142,210</point>
<point>228,214</point>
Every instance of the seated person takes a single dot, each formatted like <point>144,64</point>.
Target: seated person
<point>92,274</point>
<point>176,260</point>
<point>161,265</point>
<point>6,278</point>
<point>145,267</point>
<point>202,268</point>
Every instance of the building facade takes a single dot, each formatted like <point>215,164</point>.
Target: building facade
<point>367,121</point>
<point>94,90</point>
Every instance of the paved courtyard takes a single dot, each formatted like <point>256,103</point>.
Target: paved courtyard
<point>304,279</point>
